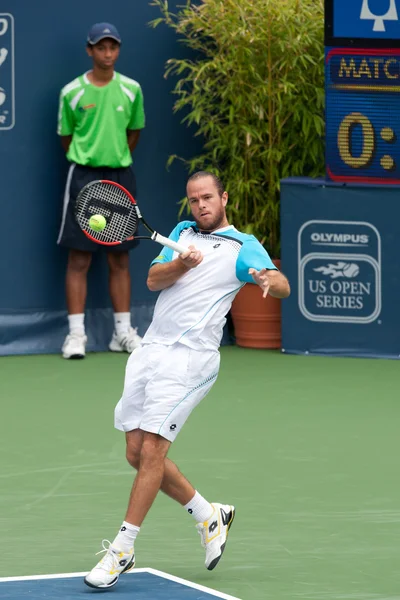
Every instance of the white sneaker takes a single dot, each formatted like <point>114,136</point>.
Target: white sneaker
<point>74,346</point>
<point>125,342</point>
<point>106,573</point>
<point>214,533</point>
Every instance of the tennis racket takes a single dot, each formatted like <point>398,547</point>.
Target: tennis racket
<point>122,215</point>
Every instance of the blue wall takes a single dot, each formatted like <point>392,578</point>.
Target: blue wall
<point>50,52</point>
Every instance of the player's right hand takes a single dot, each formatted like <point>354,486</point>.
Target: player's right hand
<point>191,258</point>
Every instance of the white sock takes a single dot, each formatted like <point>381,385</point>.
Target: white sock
<point>77,324</point>
<point>126,537</point>
<point>122,322</point>
<point>199,508</point>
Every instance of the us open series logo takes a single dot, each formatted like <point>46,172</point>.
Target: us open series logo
<point>7,72</point>
<point>339,271</point>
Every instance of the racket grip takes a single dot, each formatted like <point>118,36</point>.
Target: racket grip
<point>164,241</point>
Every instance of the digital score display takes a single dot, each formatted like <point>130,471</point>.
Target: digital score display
<point>363,115</point>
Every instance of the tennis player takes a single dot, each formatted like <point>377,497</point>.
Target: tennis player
<point>177,365</point>
<point>100,117</point>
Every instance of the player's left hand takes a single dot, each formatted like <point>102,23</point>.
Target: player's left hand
<point>261,278</point>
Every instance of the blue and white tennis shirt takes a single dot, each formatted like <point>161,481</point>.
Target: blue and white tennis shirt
<point>192,311</point>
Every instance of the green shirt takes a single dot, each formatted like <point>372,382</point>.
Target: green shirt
<point>98,117</point>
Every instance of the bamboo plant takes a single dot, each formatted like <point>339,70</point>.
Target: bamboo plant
<point>253,89</point>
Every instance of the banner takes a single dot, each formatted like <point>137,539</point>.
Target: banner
<point>344,297</point>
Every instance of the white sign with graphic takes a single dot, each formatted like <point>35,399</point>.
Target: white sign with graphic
<point>7,72</point>
<point>379,20</point>
<point>339,271</point>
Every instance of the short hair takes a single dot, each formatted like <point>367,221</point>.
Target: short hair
<point>218,183</point>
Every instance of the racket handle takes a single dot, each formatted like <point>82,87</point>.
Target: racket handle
<point>164,241</point>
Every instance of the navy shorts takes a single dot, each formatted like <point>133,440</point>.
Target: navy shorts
<point>71,235</point>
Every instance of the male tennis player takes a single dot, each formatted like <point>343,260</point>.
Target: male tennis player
<point>177,364</point>
<point>100,117</point>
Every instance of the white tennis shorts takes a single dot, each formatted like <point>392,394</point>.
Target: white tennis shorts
<point>163,384</point>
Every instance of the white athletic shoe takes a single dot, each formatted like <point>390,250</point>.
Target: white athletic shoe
<point>125,342</point>
<point>74,346</point>
<point>214,533</point>
<point>106,573</point>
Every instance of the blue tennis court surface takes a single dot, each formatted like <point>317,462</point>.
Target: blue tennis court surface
<point>141,584</point>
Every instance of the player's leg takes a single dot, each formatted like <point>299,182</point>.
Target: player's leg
<point>125,337</point>
<point>120,556</point>
<point>76,289</point>
<point>213,519</point>
<point>148,479</point>
<point>159,394</point>
<point>174,483</point>
<point>76,281</point>
<point>115,560</point>
<point>119,281</point>
<point>80,254</point>
<point>182,378</point>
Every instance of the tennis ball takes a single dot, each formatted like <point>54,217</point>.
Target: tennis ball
<point>351,270</point>
<point>97,222</point>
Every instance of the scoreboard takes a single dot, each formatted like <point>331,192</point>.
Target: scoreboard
<point>362,78</point>
<point>363,115</point>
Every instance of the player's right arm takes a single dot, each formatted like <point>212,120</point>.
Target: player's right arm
<point>66,122</point>
<point>165,270</point>
<point>66,142</point>
<point>163,275</point>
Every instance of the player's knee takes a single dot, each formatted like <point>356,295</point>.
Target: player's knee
<point>79,261</point>
<point>134,440</point>
<point>133,457</point>
<point>154,450</point>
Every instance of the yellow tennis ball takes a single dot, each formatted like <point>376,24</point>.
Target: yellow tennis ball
<point>97,222</point>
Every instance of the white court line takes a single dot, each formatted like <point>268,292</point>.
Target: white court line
<point>155,572</point>
<point>196,586</point>
<point>53,576</point>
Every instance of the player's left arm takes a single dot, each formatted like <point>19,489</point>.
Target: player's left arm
<point>272,282</point>
<point>137,120</point>
<point>66,142</point>
<point>66,122</point>
<point>133,136</point>
<point>254,265</point>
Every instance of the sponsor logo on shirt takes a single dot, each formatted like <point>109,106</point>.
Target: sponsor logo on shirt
<point>120,108</point>
<point>83,108</point>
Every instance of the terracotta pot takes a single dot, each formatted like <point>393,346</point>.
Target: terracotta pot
<point>257,321</point>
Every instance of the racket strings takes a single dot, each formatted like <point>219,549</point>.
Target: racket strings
<point>114,205</point>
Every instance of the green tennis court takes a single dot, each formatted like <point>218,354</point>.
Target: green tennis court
<point>306,447</point>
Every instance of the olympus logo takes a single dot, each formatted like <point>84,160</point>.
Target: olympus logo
<point>340,238</point>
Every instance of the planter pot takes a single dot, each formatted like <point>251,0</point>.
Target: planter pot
<point>257,321</point>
